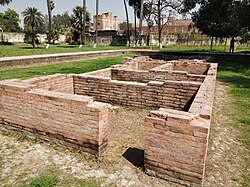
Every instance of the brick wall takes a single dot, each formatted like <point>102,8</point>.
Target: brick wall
<point>170,94</point>
<point>197,67</point>
<point>175,146</point>
<point>203,102</point>
<point>67,118</point>
<point>153,75</point>
<point>176,142</point>
<point>58,83</point>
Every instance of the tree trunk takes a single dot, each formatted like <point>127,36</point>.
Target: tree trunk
<point>83,21</point>
<point>211,46</point>
<point>49,14</point>
<point>225,45</point>
<point>128,30</point>
<point>135,26</point>
<point>148,36</point>
<point>159,23</point>
<point>141,14</point>
<point>33,37</point>
<point>96,26</point>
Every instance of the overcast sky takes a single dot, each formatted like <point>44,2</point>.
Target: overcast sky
<point>114,6</point>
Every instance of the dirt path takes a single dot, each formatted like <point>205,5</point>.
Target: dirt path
<point>21,159</point>
<point>227,158</point>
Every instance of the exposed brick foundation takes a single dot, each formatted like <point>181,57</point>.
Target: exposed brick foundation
<point>68,109</point>
<point>72,119</point>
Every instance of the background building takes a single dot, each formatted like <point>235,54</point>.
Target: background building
<point>173,26</point>
<point>106,21</point>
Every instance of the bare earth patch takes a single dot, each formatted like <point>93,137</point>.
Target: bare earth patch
<point>227,157</point>
<point>122,164</point>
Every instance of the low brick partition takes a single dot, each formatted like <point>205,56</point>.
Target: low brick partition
<point>58,83</point>
<point>154,75</point>
<point>69,119</point>
<point>139,70</point>
<point>154,94</point>
<point>176,141</point>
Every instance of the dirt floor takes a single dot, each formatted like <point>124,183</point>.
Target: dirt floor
<point>22,158</point>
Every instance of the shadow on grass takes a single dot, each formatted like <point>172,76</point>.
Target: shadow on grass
<point>134,156</point>
<point>68,46</point>
<point>30,47</point>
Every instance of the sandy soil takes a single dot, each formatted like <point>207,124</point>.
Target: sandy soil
<point>22,159</point>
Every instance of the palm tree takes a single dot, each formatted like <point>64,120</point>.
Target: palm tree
<point>136,5</point>
<point>141,17</point>
<point>128,31</point>
<point>50,7</point>
<point>32,18</point>
<point>83,21</point>
<point>5,2</point>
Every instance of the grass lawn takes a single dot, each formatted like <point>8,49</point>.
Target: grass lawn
<point>26,49</point>
<point>237,74</point>
<point>65,67</point>
<point>204,48</point>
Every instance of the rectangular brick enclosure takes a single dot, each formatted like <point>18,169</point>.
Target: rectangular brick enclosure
<point>72,109</point>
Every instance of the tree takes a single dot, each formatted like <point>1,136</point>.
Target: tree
<point>5,2</point>
<point>61,22</point>
<point>233,17</point>
<point>148,16</point>
<point>122,26</point>
<point>136,6</point>
<point>77,22</point>
<point>9,21</point>
<point>222,18</point>
<point>32,18</point>
<point>161,10</point>
<point>84,21</point>
<point>50,7</point>
<point>128,30</point>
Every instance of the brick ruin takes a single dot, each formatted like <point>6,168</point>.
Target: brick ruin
<point>72,109</point>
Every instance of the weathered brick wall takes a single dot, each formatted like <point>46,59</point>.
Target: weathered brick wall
<point>169,94</point>
<point>153,75</point>
<point>197,67</point>
<point>67,118</point>
<point>57,82</point>
<point>203,102</point>
<point>176,142</point>
<point>103,73</point>
<point>147,65</point>
<point>175,146</point>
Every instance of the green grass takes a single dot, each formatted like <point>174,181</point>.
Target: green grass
<point>66,67</point>
<point>52,178</point>
<point>26,49</point>
<point>204,48</point>
<point>237,74</point>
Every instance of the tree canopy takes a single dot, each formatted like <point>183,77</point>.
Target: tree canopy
<point>9,21</point>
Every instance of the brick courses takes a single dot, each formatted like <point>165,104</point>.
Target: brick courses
<point>69,109</point>
<point>70,119</point>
